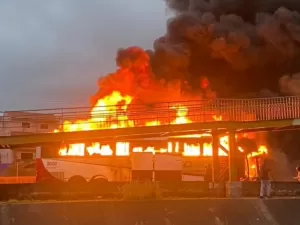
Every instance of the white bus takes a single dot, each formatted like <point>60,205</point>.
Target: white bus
<point>135,161</point>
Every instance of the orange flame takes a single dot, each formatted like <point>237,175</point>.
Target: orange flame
<point>113,109</point>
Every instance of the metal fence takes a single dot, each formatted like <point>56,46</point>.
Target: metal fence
<point>240,110</point>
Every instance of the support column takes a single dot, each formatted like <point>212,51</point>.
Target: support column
<point>232,157</point>
<point>181,147</point>
<point>215,157</point>
<point>234,186</point>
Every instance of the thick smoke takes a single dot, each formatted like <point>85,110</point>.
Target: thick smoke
<point>133,72</point>
<point>244,8</point>
<point>239,53</point>
<point>134,77</point>
<point>239,48</point>
<point>290,84</point>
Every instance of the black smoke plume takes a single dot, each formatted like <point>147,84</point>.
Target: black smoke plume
<point>244,48</point>
<point>241,46</point>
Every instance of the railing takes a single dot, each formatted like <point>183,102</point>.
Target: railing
<point>240,110</point>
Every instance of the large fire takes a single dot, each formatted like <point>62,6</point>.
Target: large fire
<point>110,112</point>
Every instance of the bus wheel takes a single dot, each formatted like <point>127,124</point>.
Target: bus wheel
<point>76,183</point>
<point>98,178</point>
<point>98,185</point>
<point>97,182</point>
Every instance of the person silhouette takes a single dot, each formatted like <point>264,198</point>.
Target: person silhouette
<point>265,184</point>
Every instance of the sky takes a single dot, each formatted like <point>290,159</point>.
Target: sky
<point>53,52</point>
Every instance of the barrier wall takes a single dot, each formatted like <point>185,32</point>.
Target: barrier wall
<point>17,180</point>
<point>113,190</point>
<point>164,212</point>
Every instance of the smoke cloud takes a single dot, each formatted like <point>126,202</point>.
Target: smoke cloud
<point>134,77</point>
<point>240,46</point>
<point>290,84</point>
<point>236,47</point>
<point>243,47</point>
<point>238,52</point>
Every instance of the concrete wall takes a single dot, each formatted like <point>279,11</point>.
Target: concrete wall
<point>164,212</point>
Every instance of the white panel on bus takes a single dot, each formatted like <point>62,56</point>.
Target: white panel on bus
<point>168,162</point>
<point>65,168</point>
<point>142,161</point>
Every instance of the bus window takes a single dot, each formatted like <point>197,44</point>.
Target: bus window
<point>27,156</point>
<point>72,150</point>
<point>47,152</point>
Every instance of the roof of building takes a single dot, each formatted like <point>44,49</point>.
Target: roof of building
<point>29,116</point>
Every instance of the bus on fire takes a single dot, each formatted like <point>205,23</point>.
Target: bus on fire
<point>167,159</point>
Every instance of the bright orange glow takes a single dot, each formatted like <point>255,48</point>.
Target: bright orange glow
<point>96,148</point>
<point>181,115</point>
<point>261,150</point>
<point>123,149</point>
<point>111,108</point>
<point>73,150</point>
<point>152,123</point>
<point>110,112</point>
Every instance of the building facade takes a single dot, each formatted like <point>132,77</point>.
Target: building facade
<point>18,165</point>
<point>20,123</point>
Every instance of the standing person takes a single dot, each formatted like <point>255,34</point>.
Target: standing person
<point>265,184</point>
